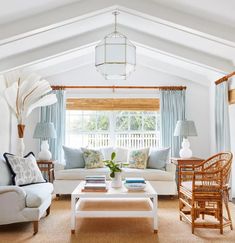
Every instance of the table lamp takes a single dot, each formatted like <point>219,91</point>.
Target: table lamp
<point>44,131</point>
<point>185,128</point>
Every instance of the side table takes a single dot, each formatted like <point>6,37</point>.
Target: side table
<point>47,166</point>
<point>181,161</point>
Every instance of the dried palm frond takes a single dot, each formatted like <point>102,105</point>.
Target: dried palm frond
<point>23,96</point>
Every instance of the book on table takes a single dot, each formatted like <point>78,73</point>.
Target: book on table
<point>95,184</point>
<point>135,183</point>
<point>96,179</point>
<point>135,180</point>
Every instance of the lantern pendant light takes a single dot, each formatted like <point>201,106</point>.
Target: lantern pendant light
<point>115,55</point>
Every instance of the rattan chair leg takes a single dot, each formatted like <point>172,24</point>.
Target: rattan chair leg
<point>221,216</point>
<point>181,206</point>
<point>193,216</point>
<point>227,209</point>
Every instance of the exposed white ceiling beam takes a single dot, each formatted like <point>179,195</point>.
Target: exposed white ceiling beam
<point>56,68</point>
<point>76,46</point>
<point>145,61</point>
<point>52,52</point>
<point>178,51</point>
<point>174,70</point>
<point>54,19</point>
<point>146,9</point>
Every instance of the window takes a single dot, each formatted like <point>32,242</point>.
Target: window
<point>133,129</point>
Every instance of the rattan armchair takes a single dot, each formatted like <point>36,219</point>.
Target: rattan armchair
<point>204,190</point>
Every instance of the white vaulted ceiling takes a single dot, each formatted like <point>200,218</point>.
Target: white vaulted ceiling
<point>194,40</point>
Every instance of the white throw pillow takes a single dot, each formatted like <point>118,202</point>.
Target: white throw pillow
<point>24,170</point>
<point>5,173</point>
<point>106,152</point>
<point>158,158</point>
<point>121,154</point>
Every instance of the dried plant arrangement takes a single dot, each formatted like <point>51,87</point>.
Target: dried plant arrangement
<point>25,95</point>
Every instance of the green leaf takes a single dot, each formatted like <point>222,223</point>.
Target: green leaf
<point>113,155</point>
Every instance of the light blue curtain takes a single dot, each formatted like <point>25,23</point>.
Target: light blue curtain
<point>222,128</point>
<point>172,109</point>
<point>56,114</point>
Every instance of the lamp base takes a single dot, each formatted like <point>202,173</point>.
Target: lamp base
<point>185,152</point>
<point>44,154</point>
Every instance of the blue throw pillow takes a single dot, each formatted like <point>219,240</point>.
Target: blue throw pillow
<point>73,158</point>
<point>158,158</point>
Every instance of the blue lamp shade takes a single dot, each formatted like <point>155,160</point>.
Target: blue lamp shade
<point>185,128</point>
<point>44,130</point>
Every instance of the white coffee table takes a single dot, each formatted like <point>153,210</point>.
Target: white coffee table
<point>114,193</point>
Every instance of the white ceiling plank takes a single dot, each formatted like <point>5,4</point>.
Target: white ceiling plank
<point>63,39</point>
<point>54,19</point>
<point>162,49</point>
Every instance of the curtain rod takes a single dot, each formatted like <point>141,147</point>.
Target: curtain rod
<point>58,87</point>
<point>225,78</point>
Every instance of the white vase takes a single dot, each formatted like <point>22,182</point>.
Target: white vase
<point>185,151</point>
<point>117,180</point>
<point>20,147</point>
<point>45,153</point>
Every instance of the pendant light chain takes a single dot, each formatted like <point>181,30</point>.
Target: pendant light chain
<point>115,20</point>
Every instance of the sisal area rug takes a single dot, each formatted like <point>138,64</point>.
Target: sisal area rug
<point>56,228</point>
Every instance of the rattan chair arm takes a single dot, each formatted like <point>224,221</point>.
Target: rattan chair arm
<point>207,172</point>
<point>186,172</point>
<point>189,166</point>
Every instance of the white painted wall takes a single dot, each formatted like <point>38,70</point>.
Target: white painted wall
<point>4,120</point>
<point>31,144</point>
<point>197,99</point>
<point>232,136</point>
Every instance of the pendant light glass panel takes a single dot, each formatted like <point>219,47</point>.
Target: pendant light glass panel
<point>115,56</point>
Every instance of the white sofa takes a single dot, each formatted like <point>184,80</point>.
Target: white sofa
<point>66,180</point>
<point>22,204</point>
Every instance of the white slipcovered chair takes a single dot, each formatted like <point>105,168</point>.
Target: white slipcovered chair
<point>22,204</point>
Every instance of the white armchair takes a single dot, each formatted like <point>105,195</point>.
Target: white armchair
<point>23,204</point>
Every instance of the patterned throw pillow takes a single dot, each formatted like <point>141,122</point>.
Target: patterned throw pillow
<point>24,170</point>
<point>138,158</point>
<point>93,158</point>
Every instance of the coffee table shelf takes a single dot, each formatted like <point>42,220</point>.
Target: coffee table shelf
<point>114,194</point>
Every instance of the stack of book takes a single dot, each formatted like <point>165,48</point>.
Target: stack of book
<point>95,184</point>
<point>135,184</point>
<point>135,180</point>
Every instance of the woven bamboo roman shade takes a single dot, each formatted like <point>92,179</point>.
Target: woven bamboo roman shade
<point>135,104</point>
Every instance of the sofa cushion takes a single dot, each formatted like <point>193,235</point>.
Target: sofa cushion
<point>81,173</point>
<point>138,158</point>
<point>36,194</point>
<point>25,170</point>
<point>73,158</point>
<point>121,154</point>
<point>148,174</point>
<point>5,173</point>
<point>158,158</point>
<point>106,152</point>
<point>93,158</point>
